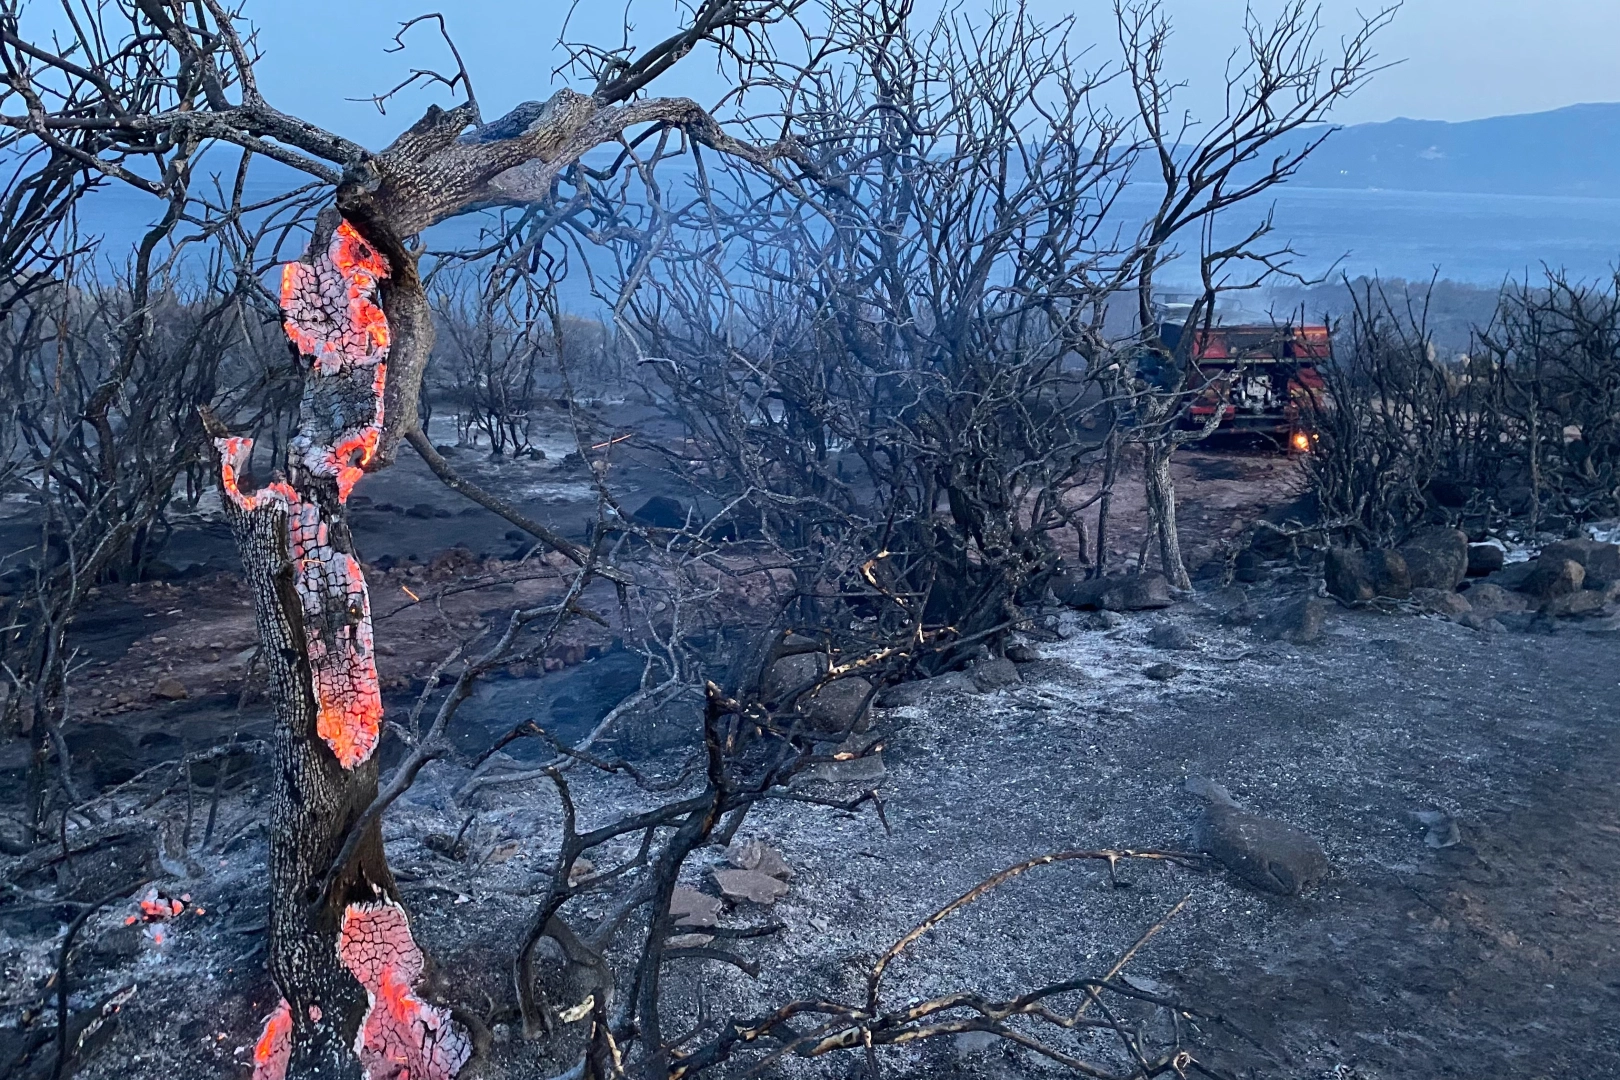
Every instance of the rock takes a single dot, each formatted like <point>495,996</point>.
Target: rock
<point>1172,637</point>
<point>1440,829</point>
<point>1485,559</point>
<point>1161,672</point>
<point>1443,602</point>
<point>857,761</point>
<point>1574,605</point>
<point>1269,854</point>
<point>1518,622</point>
<point>919,690</point>
<point>791,673</point>
<point>1600,561</point>
<point>1553,577</point>
<point>841,705</point>
<point>691,909</point>
<point>105,749</point>
<point>170,689</point>
<point>1489,598</point>
<point>1298,621</point>
<point>760,856</point>
<point>661,512</point>
<point>1358,576</point>
<point>1249,567</point>
<point>517,536</point>
<point>1102,620</point>
<point>424,511</point>
<point>1436,559</point>
<point>750,885</point>
<point>441,512</point>
<point>1019,653</point>
<point>993,674</point>
<point>1485,624</point>
<point>1121,592</point>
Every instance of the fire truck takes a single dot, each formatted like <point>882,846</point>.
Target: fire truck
<point>1262,377</point>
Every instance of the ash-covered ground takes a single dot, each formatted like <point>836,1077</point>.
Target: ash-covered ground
<point>1494,956</point>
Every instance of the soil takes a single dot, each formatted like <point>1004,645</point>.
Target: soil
<point>1492,957</point>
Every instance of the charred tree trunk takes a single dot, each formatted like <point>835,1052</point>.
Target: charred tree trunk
<point>340,948</point>
<point>1161,500</point>
<point>315,801</point>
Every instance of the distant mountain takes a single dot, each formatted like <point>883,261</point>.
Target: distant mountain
<point>1570,151</point>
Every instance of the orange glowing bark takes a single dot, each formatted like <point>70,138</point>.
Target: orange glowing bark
<point>343,670</point>
<point>274,1047</point>
<point>332,317</point>
<point>402,1037</point>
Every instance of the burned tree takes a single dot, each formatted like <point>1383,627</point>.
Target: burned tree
<point>1278,92</point>
<point>136,90</point>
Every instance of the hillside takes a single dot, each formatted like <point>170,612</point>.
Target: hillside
<point>1570,151</point>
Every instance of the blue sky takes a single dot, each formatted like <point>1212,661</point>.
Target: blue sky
<point>1461,59</point>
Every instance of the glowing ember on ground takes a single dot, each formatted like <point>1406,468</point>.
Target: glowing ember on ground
<point>154,906</point>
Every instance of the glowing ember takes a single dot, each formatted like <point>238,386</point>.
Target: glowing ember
<point>328,305</point>
<point>402,1037</point>
<point>337,614</point>
<point>274,1047</point>
<point>330,311</point>
<point>155,907</point>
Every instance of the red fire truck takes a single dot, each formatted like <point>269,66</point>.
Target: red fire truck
<point>1263,378</point>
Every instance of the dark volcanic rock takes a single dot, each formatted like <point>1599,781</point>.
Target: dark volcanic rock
<point>1436,558</point>
<point>1172,636</point>
<point>1161,672</point>
<point>1298,621</point>
<point>1358,576</point>
<point>1269,854</point>
<point>1484,559</point>
<point>1575,604</point>
<point>1553,577</point>
<point>1124,592</point>
<point>841,705</point>
<point>425,511</point>
<point>912,693</point>
<point>662,512</point>
<point>1249,567</point>
<point>993,674</point>
<point>1600,561</point>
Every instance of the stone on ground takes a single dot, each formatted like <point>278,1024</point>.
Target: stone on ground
<point>1436,558</point>
<point>994,673</point>
<point>1299,621</point>
<point>1357,577</point>
<point>1120,592</point>
<point>1485,559</point>
<point>1599,561</point>
<point>919,690</point>
<point>1553,576</point>
<point>1173,637</point>
<point>1269,854</point>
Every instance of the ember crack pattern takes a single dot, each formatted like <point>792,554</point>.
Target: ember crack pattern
<point>331,315</point>
<point>401,1036</point>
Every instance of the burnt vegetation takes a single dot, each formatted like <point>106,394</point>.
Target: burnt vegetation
<point>905,353</point>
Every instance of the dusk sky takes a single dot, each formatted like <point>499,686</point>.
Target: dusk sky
<point>1461,59</point>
